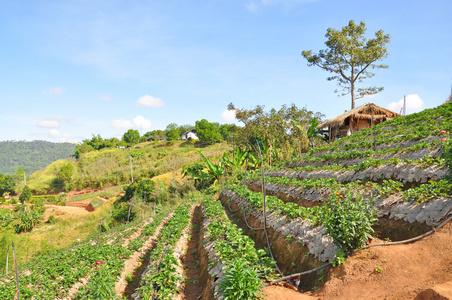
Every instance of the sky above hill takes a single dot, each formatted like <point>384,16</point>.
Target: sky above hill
<point>70,69</point>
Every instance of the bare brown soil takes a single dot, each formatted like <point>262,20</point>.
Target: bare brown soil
<point>58,210</point>
<point>280,292</point>
<point>192,288</point>
<point>137,264</point>
<point>393,272</point>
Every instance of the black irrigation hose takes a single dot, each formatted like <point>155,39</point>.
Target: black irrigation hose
<point>229,200</point>
<point>265,217</point>
<point>243,196</point>
<point>369,246</point>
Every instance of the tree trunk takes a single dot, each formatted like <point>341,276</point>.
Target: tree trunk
<point>352,91</point>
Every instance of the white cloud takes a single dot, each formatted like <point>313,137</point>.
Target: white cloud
<point>413,104</point>
<point>54,133</point>
<point>61,137</point>
<point>106,98</point>
<point>54,91</point>
<point>228,115</point>
<point>121,124</point>
<point>140,122</point>
<point>49,124</point>
<point>149,101</point>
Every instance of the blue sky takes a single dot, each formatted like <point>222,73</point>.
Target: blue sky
<point>71,69</point>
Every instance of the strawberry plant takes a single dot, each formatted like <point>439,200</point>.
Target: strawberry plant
<point>160,282</point>
<point>246,267</point>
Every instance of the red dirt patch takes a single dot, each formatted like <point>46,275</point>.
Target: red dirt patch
<point>278,292</point>
<point>393,272</point>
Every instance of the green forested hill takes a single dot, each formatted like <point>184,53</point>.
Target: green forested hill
<point>32,156</point>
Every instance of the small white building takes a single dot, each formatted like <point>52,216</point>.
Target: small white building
<point>189,134</point>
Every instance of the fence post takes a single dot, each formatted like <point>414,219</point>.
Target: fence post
<point>7,254</point>
<point>98,235</point>
<point>17,273</point>
<point>130,207</point>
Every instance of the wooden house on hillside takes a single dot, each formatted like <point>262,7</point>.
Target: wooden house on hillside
<point>190,134</point>
<point>356,119</point>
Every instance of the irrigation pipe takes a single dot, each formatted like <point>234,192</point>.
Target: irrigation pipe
<point>243,196</point>
<point>265,215</point>
<point>366,247</point>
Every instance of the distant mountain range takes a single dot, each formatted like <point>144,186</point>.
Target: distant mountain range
<point>32,156</point>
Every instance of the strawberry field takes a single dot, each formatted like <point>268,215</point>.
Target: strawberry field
<point>292,223</point>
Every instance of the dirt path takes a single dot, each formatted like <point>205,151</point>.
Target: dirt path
<point>58,210</point>
<point>192,289</point>
<point>137,263</point>
<point>393,272</point>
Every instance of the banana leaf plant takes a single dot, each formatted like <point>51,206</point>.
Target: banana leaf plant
<point>214,171</point>
<point>238,160</point>
<point>204,174</point>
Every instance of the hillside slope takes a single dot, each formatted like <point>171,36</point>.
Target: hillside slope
<point>32,156</point>
<point>401,169</point>
<point>115,166</point>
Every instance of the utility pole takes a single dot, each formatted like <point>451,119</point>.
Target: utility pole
<point>131,168</point>
<point>404,105</point>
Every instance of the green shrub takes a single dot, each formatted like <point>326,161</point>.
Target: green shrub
<point>27,220</point>
<point>142,188</point>
<point>348,219</point>
<point>240,281</point>
<point>25,195</point>
<point>51,219</point>
<point>120,212</point>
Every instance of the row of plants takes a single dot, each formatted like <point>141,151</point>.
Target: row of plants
<point>412,127</point>
<point>101,284</point>
<point>54,273</point>
<point>424,193</point>
<point>290,210</point>
<point>347,217</point>
<point>396,136</point>
<point>160,282</point>
<point>348,155</point>
<point>423,162</point>
<point>245,266</point>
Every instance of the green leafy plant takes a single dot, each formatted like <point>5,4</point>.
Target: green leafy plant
<point>240,281</point>
<point>348,219</point>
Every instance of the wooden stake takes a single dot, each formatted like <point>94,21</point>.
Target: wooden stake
<point>7,254</point>
<point>17,274</point>
<point>98,235</point>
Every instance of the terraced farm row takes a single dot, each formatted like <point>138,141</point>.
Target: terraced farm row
<point>351,195</point>
<point>347,223</point>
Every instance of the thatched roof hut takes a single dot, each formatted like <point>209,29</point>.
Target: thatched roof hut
<point>357,119</point>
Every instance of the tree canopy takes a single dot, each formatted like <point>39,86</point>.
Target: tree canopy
<point>31,156</point>
<point>7,184</point>
<point>131,137</point>
<point>208,132</point>
<point>275,126</point>
<point>350,56</point>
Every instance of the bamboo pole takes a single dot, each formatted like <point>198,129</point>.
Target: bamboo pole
<point>17,274</point>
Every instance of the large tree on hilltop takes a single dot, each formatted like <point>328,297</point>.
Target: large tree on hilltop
<point>208,132</point>
<point>131,137</point>
<point>350,57</point>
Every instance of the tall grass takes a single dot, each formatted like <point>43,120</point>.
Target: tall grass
<point>111,167</point>
<point>64,232</point>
